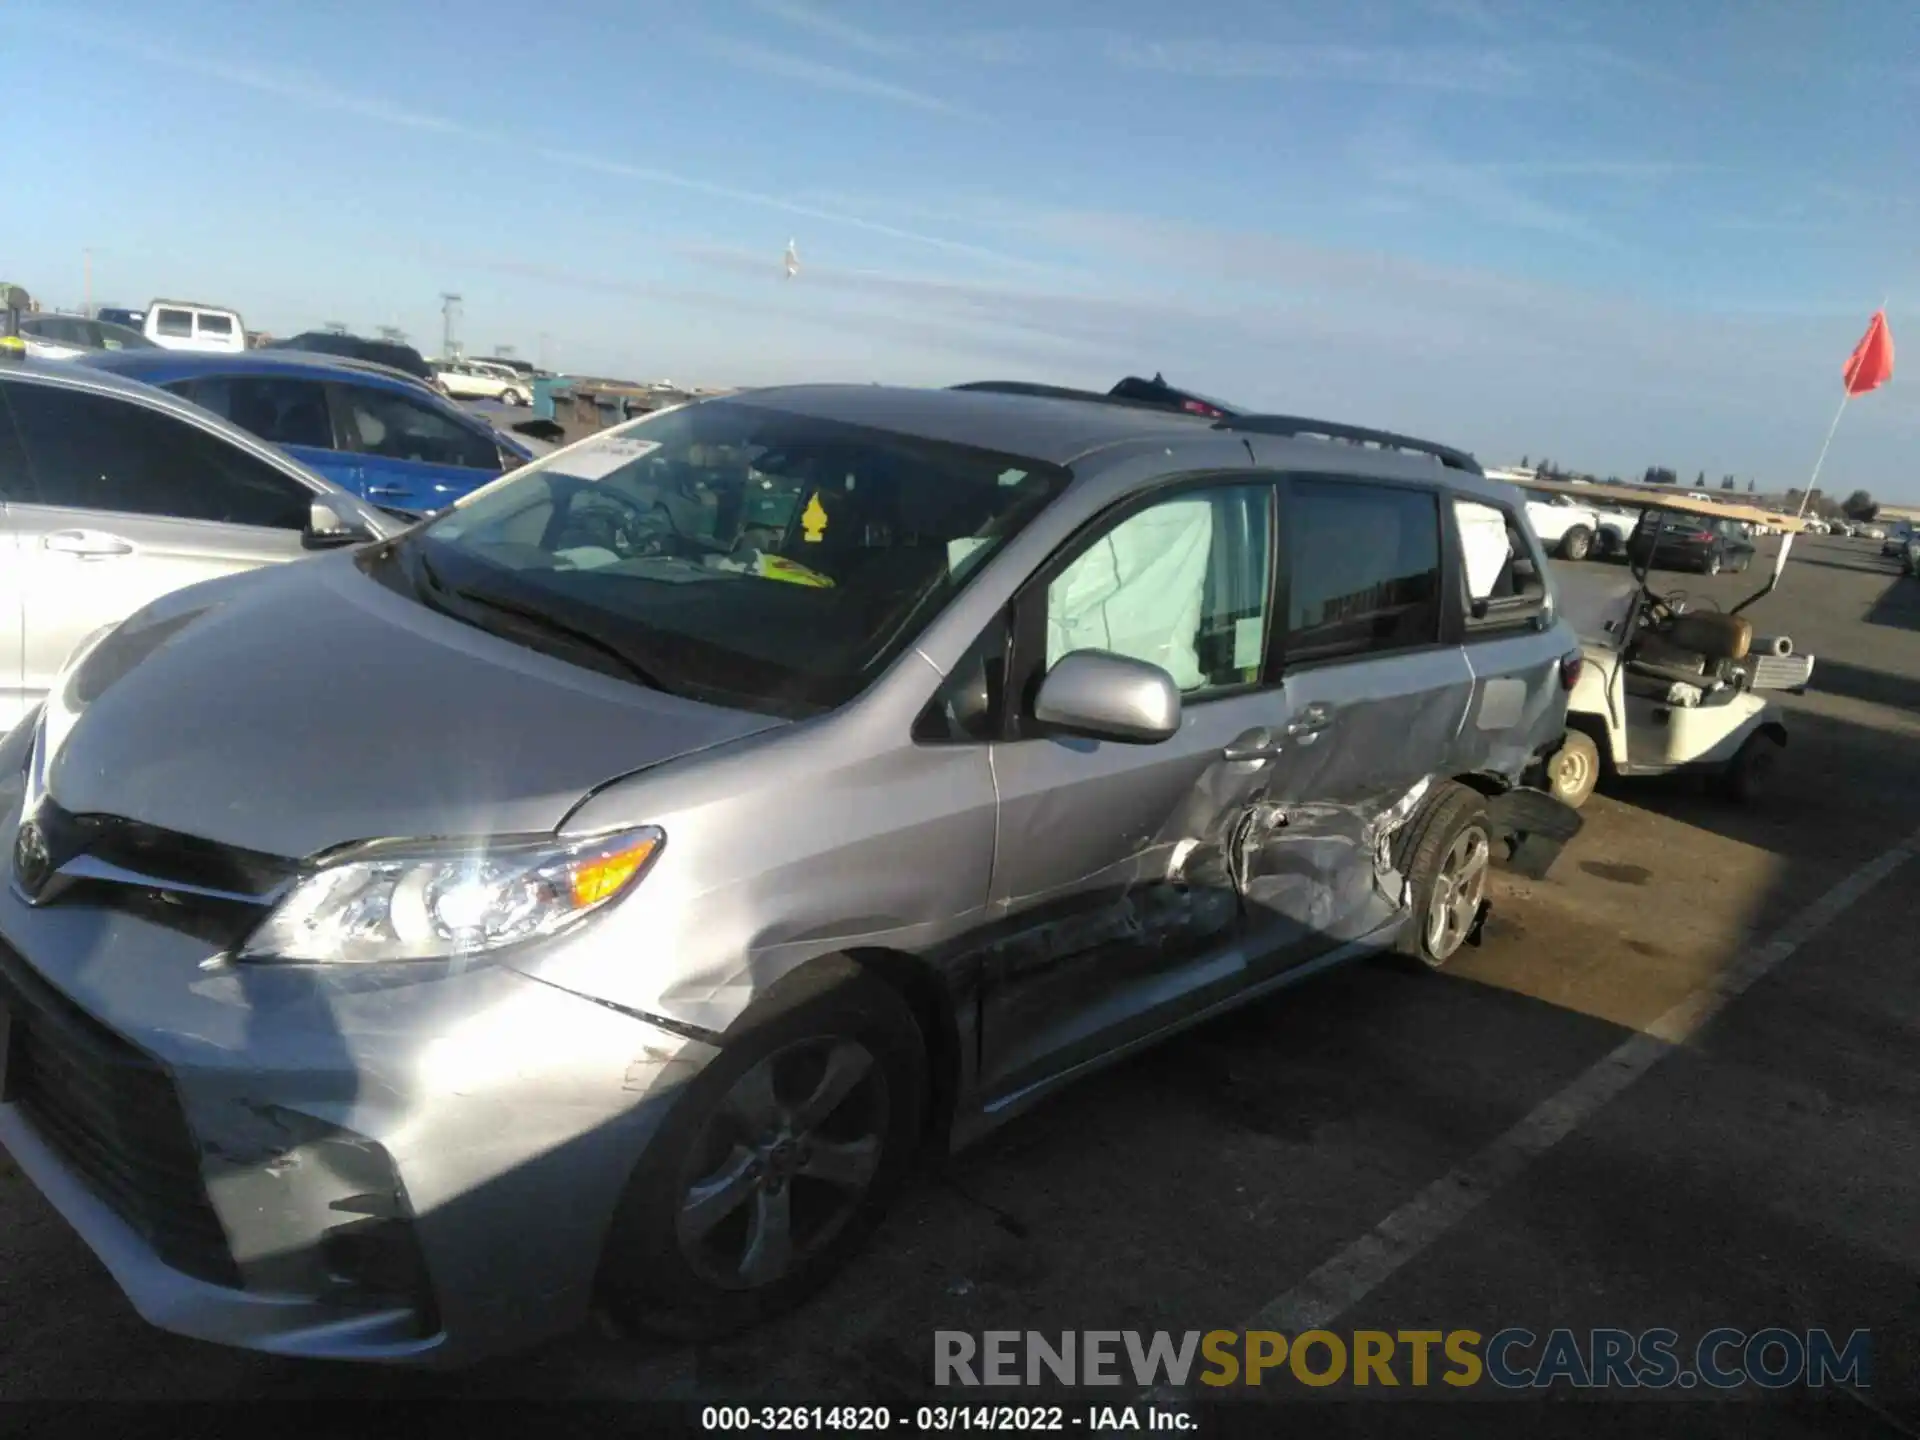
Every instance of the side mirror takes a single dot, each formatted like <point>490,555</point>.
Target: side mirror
<point>1102,696</point>
<point>327,531</point>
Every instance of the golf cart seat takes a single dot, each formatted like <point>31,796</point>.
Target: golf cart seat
<point>1689,649</point>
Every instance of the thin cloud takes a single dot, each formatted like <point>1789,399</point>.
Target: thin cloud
<point>285,85</point>
<point>823,77</point>
<point>832,27</point>
<point>1477,70</point>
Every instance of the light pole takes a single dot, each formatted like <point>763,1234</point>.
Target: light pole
<point>86,306</point>
<point>449,308</point>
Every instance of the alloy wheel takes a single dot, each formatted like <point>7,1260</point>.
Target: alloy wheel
<point>1458,890</point>
<point>784,1162</point>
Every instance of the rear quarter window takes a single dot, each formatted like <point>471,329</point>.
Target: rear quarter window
<point>173,322</point>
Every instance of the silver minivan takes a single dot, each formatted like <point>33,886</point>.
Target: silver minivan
<point>603,891</point>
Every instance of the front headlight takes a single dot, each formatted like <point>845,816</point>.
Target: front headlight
<point>415,900</point>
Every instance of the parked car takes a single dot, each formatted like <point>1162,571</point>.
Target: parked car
<point>472,380</point>
<point>115,315</point>
<point>116,494</point>
<point>1568,528</point>
<point>1689,542</point>
<point>188,325</point>
<point>1895,541</point>
<point>618,1021</point>
<point>376,432</point>
<point>65,337</point>
<point>391,353</point>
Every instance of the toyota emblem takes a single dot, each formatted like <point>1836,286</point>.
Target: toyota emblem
<point>32,861</point>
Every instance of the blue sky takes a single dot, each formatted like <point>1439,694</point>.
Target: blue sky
<point>1617,234</point>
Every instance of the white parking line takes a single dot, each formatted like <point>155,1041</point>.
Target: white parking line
<point>1363,1266</point>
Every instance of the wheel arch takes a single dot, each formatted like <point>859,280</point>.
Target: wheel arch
<point>920,986</point>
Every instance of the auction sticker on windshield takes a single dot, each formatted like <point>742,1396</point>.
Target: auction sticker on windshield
<point>597,459</point>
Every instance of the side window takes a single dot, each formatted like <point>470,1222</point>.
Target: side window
<point>1364,569</point>
<point>1182,584</point>
<point>1501,572</point>
<point>175,323</point>
<point>381,422</point>
<point>90,452</point>
<point>219,325</point>
<point>287,412</point>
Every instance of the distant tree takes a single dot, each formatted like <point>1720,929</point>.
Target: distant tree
<point>1526,463</point>
<point>1726,482</point>
<point>1750,485</point>
<point>1661,475</point>
<point>1700,481</point>
<point>1859,506</point>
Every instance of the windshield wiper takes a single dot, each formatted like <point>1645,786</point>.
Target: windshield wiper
<point>528,616</point>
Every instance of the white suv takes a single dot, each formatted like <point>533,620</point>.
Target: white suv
<point>1567,528</point>
<point>477,380</point>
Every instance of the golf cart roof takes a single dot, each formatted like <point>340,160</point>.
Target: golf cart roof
<point>1675,504</point>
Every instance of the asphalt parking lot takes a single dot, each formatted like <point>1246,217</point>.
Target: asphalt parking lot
<point>1759,1172</point>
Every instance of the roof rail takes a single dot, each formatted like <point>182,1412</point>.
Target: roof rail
<point>1064,392</point>
<point>1354,434</point>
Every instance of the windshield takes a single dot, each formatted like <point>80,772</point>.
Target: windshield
<point>763,559</point>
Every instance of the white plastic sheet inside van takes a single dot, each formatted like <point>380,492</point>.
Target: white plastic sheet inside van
<point>1484,544</point>
<point>1139,591</point>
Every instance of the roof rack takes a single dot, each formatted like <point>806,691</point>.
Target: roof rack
<point>1253,424</point>
<point>1065,392</point>
<point>1354,434</point>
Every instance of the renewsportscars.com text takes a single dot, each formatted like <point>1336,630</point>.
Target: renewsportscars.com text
<point>1513,1358</point>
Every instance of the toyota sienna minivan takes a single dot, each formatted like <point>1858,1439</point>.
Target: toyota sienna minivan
<point>601,892</point>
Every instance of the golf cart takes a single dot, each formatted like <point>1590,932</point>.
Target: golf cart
<point>1669,686</point>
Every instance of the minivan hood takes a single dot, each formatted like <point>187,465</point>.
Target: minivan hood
<point>295,708</point>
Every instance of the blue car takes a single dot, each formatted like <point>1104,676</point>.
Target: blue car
<point>377,432</point>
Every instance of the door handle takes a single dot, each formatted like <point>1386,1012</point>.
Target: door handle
<point>1310,721</point>
<point>1254,746</point>
<point>87,544</point>
<point>386,489</point>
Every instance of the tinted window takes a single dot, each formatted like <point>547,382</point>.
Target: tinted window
<point>215,325</point>
<point>380,422</point>
<point>287,412</point>
<point>92,452</point>
<point>663,535</point>
<point>1181,584</point>
<point>1364,568</point>
<point>173,322</point>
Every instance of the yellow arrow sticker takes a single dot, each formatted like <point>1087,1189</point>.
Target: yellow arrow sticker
<point>813,520</point>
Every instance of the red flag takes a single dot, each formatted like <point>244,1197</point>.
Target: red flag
<point>1871,364</point>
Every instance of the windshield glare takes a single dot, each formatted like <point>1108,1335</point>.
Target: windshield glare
<point>770,560</point>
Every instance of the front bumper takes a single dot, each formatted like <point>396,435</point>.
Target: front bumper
<point>416,1165</point>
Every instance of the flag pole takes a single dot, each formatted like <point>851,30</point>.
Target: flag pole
<point>1807,494</point>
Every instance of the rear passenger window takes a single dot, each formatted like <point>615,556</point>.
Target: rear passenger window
<point>286,412</point>
<point>1182,584</point>
<point>1364,569</point>
<point>215,325</point>
<point>174,322</point>
<point>1501,573</point>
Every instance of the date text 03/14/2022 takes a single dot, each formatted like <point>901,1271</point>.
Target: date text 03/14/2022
<point>945,1419</point>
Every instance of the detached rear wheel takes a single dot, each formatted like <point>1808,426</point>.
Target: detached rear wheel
<point>774,1167</point>
<point>1446,860</point>
<point>1574,769</point>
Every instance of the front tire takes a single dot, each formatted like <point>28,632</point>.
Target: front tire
<point>1446,858</point>
<point>775,1165</point>
<point>1576,544</point>
<point>511,397</point>
<point>1712,567</point>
